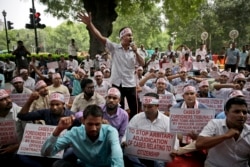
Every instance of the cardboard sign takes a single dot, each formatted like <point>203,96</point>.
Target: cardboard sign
<point>213,103</point>
<point>164,102</point>
<point>149,144</point>
<point>53,65</point>
<point>186,120</point>
<point>33,138</point>
<point>8,133</point>
<point>19,99</point>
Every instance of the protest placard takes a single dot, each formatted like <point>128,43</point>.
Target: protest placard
<point>33,138</point>
<point>8,133</point>
<point>213,103</point>
<point>164,102</point>
<point>53,65</point>
<point>19,99</point>
<point>186,120</point>
<point>149,144</point>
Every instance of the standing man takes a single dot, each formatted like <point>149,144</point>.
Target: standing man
<point>232,58</point>
<point>72,49</point>
<point>21,54</point>
<point>124,59</point>
<point>96,145</point>
<point>227,140</point>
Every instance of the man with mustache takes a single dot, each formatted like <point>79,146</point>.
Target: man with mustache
<point>227,140</point>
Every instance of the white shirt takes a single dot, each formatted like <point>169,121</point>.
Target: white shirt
<point>123,65</point>
<point>29,83</point>
<point>72,63</point>
<point>230,152</point>
<point>202,52</point>
<point>139,121</point>
<point>103,88</point>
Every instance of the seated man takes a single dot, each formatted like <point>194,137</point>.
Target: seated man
<point>96,144</point>
<point>227,140</point>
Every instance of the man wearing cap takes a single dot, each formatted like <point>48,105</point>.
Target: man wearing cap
<point>17,83</point>
<point>124,59</point>
<point>209,63</point>
<point>204,90</point>
<point>57,85</point>
<point>87,97</point>
<point>223,90</point>
<point>106,74</point>
<point>101,86</point>
<point>42,102</point>
<point>113,114</point>
<point>9,111</point>
<point>160,89</point>
<point>227,140</point>
<point>75,79</point>
<point>150,119</point>
<point>182,78</point>
<point>50,116</point>
<point>28,81</point>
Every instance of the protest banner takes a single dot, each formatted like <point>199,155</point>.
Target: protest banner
<point>8,134</point>
<point>149,144</point>
<point>214,103</point>
<point>19,99</point>
<point>184,120</point>
<point>52,65</point>
<point>33,138</point>
<point>164,102</point>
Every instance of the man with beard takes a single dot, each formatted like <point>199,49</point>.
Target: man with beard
<point>227,140</point>
<point>9,111</point>
<point>87,97</point>
<point>96,144</point>
<point>50,116</point>
<point>113,114</point>
<point>124,60</point>
<point>17,83</point>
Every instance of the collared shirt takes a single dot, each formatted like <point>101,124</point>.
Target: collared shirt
<point>40,103</point>
<point>11,66</point>
<point>123,65</point>
<point>119,120</point>
<point>229,152</point>
<point>103,88</point>
<point>104,152</point>
<point>29,83</point>
<point>80,103</point>
<point>232,55</point>
<point>44,114</point>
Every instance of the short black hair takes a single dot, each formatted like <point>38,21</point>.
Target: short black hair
<point>85,82</point>
<point>152,94</point>
<point>93,110</point>
<point>234,100</point>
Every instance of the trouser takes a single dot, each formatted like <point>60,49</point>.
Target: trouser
<point>132,99</point>
<point>230,66</point>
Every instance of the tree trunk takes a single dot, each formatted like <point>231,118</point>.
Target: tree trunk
<point>103,14</point>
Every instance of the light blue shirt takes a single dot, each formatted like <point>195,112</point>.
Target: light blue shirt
<point>76,89</point>
<point>104,152</point>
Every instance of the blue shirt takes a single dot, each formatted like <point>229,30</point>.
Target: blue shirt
<point>44,114</point>
<point>104,152</point>
<point>76,89</point>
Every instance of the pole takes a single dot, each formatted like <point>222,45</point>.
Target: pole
<point>35,30</point>
<point>6,32</point>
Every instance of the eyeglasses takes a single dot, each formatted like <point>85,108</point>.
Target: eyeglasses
<point>239,81</point>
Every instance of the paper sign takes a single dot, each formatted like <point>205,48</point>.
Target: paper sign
<point>186,120</point>
<point>164,102</point>
<point>19,99</point>
<point>33,138</point>
<point>53,65</point>
<point>149,144</point>
<point>8,133</point>
<point>213,103</point>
